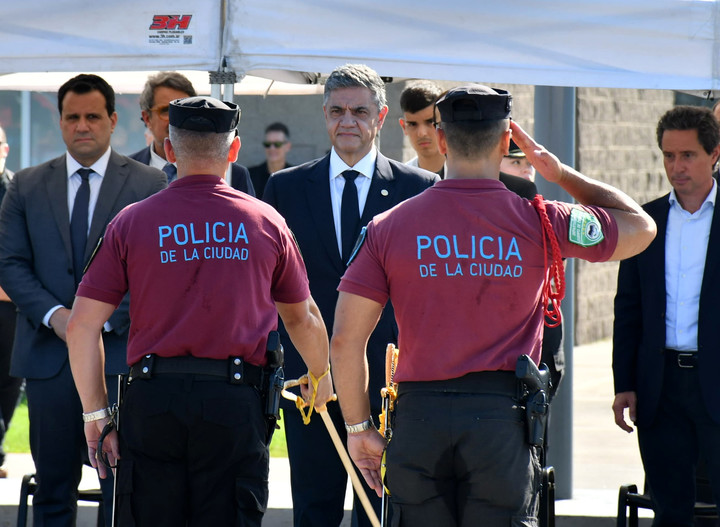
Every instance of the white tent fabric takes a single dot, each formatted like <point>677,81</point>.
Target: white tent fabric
<point>665,44</point>
<point>134,81</point>
<point>105,35</point>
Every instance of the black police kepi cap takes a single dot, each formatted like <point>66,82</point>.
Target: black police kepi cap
<point>514,150</point>
<point>474,102</point>
<point>204,114</point>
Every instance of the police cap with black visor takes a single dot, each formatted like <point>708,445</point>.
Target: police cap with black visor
<point>474,102</point>
<point>204,114</point>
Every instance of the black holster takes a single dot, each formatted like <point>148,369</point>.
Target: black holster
<point>534,388</point>
<point>274,381</point>
<point>536,412</point>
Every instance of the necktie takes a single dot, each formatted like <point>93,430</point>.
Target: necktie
<point>171,172</point>
<point>79,223</point>
<point>349,214</point>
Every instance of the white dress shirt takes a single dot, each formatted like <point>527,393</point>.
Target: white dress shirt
<point>156,161</point>
<point>74,182</point>
<point>686,242</point>
<point>366,167</point>
<point>95,180</point>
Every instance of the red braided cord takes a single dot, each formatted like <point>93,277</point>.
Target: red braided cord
<point>556,271</point>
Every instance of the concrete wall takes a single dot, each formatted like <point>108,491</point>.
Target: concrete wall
<point>301,113</point>
<point>615,144</point>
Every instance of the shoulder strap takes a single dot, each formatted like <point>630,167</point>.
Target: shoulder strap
<point>555,273</point>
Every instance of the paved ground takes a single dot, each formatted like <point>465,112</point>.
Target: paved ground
<point>604,457</point>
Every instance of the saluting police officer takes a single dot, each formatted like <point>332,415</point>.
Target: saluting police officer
<point>208,269</point>
<point>464,266</point>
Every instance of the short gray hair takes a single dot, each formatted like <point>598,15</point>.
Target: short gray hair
<point>210,146</point>
<point>169,79</point>
<point>357,76</point>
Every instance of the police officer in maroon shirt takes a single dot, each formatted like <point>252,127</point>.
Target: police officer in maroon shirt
<point>208,269</point>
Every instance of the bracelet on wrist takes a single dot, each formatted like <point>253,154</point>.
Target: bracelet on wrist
<point>360,427</point>
<point>103,413</point>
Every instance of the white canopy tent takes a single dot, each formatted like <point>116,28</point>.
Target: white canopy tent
<point>665,44</point>
<point>133,82</point>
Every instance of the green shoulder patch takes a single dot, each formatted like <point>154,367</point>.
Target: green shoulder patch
<point>584,229</point>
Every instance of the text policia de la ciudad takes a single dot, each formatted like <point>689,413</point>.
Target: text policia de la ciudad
<point>468,255</point>
<point>217,240</point>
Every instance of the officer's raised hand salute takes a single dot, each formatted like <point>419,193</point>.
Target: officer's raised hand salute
<point>208,269</point>
<point>464,264</point>
<point>634,224</point>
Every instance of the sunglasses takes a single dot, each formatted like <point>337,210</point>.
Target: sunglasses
<point>276,144</point>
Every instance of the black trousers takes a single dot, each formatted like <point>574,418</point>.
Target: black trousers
<point>671,445</point>
<point>318,477</point>
<point>59,448</point>
<point>194,453</point>
<point>9,386</point>
<point>459,456</point>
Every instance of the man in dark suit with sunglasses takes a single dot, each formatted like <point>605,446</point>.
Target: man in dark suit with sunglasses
<point>277,145</point>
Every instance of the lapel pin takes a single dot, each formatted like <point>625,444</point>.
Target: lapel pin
<point>384,192</point>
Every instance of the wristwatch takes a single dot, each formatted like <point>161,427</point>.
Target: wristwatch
<point>360,427</point>
<point>102,413</point>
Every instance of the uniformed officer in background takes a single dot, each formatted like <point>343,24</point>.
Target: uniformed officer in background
<point>208,269</point>
<point>464,266</point>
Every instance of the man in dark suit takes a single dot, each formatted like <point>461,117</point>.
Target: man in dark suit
<point>9,385</point>
<point>159,90</point>
<point>666,342</point>
<point>51,219</point>
<point>277,145</point>
<point>318,200</point>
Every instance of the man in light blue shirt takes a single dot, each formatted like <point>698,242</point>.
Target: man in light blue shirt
<point>666,342</point>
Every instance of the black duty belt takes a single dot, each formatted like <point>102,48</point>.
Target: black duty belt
<point>235,370</point>
<point>483,382</point>
<point>683,359</point>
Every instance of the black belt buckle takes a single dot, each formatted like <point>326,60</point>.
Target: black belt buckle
<point>686,360</point>
<point>237,370</point>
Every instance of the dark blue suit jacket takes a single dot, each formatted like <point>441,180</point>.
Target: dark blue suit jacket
<point>302,195</point>
<point>36,267</point>
<point>240,174</point>
<point>639,327</point>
